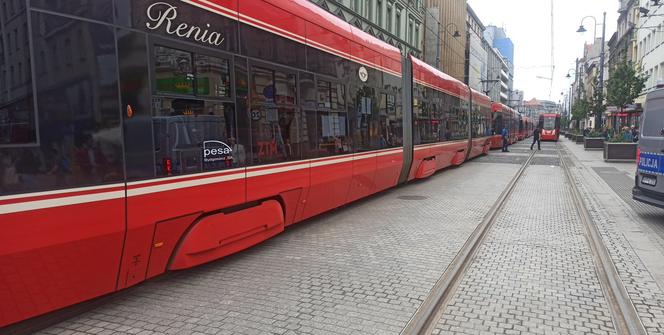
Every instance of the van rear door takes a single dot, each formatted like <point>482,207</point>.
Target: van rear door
<point>651,143</point>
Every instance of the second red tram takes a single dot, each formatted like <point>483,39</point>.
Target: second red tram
<point>503,117</point>
<point>550,125</point>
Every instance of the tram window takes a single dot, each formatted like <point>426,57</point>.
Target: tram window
<point>271,47</point>
<point>274,117</point>
<point>17,113</point>
<point>389,122</point>
<point>173,71</point>
<point>426,125</point>
<point>193,136</point>
<point>325,63</point>
<point>454,123</point>
<point>243,120</point>
<point>497,123</point>
<point>96,10</point>
<point>79,118</point>
<point>307,95</point>
<point>364,120</point>
<point>213,77</point>
<point>417,114</point>
<point>331,120</point>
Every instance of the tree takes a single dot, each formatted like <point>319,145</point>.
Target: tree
<point>596,105</point>
<point>580,106</point>
<point>579,110</point>
<point>624,85</point>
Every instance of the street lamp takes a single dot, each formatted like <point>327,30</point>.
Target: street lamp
<point>456,34</point>
<point>568,76</point>
<point>600,84</point>
<point>488,87</point>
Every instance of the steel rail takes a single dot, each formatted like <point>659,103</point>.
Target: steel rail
<point>426,316</point>
<point>625,317</point>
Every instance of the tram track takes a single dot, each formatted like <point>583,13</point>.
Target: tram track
<point>623,312</point>
<point>424,319</point>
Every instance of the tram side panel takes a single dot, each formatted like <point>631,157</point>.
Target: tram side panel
<point>62,191</point>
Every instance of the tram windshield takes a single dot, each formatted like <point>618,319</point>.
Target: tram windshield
<point>549,123</point>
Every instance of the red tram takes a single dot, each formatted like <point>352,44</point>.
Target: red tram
<point>212,126</point>
<point>550,125</point>
<point>529,126</point>
<point>503,116</point>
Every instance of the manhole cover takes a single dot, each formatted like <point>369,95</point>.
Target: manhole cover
<point>412,197</point>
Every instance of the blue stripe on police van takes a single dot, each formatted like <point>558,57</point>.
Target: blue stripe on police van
<point>651,163</point>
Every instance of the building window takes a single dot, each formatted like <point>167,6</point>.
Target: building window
<point>379,13</point>
<point>397,22</point>
<point>356,6</point>
<point>388,17</point>
<point>368,10</point>
<point>416,43</point>
<point>410,32</point>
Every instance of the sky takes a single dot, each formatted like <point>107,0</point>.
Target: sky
<point>528,24</point>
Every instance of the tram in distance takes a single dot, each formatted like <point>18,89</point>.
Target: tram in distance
<point>549,123</point>
<point>503,117</point>
<point>179,132</point>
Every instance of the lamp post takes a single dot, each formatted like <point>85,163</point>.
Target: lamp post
<point>569,95</point>
<point>456,34</point>
<point>600,84</point>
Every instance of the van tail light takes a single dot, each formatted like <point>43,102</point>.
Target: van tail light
<point>638,156</point>
<point>168,166</point>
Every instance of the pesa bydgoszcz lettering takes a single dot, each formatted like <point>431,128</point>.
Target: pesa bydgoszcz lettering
<point>162,14</point>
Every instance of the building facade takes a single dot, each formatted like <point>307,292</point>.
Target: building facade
<point>445,37</point>
<point>622,45</point>
<point>534,107</point>
<point>650,48</point>
<point>504,47</point>
<point>397,22</point>
<point>476,54</point>
<point>492,83</point>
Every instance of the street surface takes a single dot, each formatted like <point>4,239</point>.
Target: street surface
<point>366,268</point>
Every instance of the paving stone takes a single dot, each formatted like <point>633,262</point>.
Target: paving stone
<point>536,260</point>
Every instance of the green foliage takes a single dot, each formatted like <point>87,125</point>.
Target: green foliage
<point>595,102</point>
<point>580,110</point>
<point>595,133</point>
<point>625,84</point>
<point>618,139</point>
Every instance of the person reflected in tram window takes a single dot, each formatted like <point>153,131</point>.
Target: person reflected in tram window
<point>448,132</point>
<point>84,158</point>
<point>505,135</point>
<point>382,142</point>
<point>9,178</point>
<point>536,138</point>
<point>238,153</point>
<point>59,165</point>
<point>27,167</point>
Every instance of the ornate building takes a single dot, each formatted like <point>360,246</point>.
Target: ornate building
<point>397,22</point>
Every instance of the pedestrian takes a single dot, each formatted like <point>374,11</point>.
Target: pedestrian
<point>635,134</point>
<point>627,135</point>
<point>536,138</point>
<point>505,134</point>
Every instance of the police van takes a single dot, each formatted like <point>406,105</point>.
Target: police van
<point>649,184</point>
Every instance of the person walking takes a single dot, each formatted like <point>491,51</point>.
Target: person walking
<point>536,138</point>
<point>505,134</point>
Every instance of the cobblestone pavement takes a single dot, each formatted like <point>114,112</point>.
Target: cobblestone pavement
<point>363,269</point>
<point>634,248</point>
<point>534,274</point>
